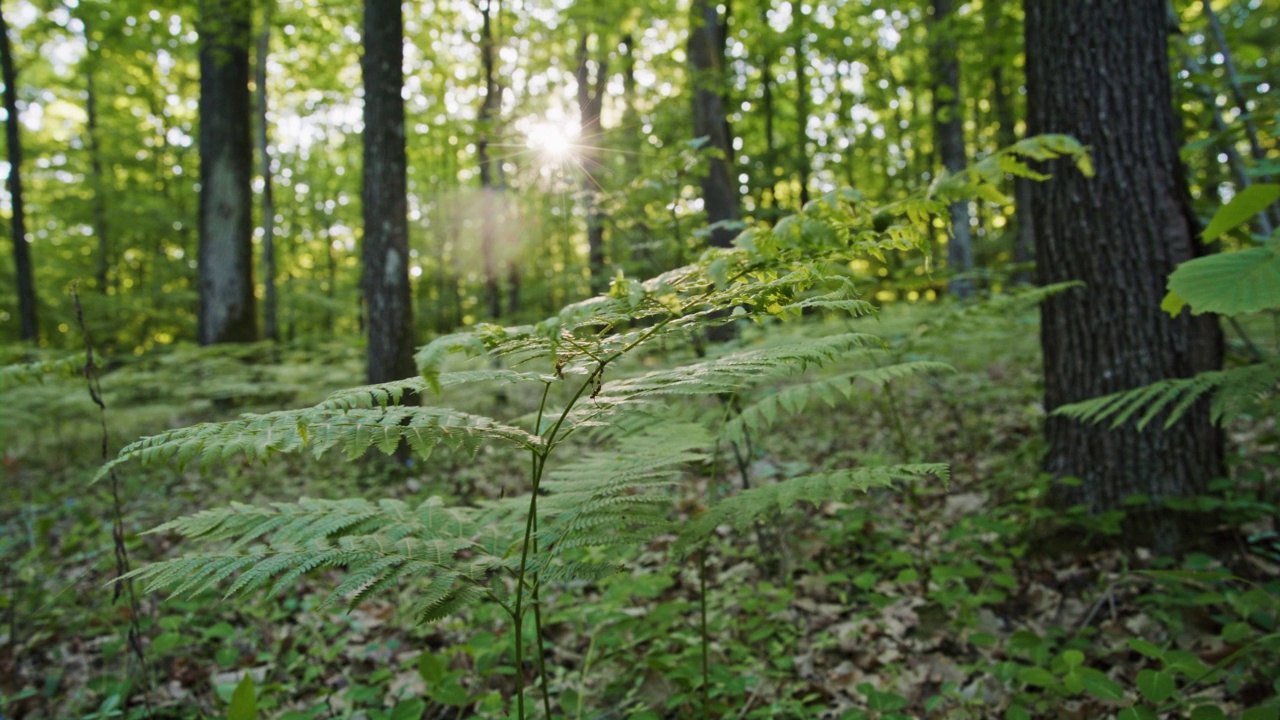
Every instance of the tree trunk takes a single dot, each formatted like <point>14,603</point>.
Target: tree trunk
<point>1020,223</point>
<point>490,202</point>
<point>948,120</point>
<point>1099,71</point>
<point>269,325</point>
<point>385,249</point>
<point>719,189</point>
<point>800,47</point>
<point>590,104</point>
<point>25,281</point>
<point>102,275</point>
<point>227,305</point>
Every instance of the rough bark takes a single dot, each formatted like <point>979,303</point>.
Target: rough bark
<point>25,281</point>
<point>385,247</point>
<point>719,190</point>
<point>227,304</point>
<point>591,88</point>
<point>270,329</point>
<point>1099,71</point>
<point>948,120</point>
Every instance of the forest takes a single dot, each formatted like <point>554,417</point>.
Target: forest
<point>577,359</point>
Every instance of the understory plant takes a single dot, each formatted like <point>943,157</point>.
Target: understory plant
<point>585,503</point>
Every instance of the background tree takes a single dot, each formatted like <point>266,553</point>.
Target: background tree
<point>385,252</point>
<point>1099,71</point>
<point>21,252</point>
<point>948,122</point>
<point>719,189</point>
<point>227,304</point>
<point>270,310</point>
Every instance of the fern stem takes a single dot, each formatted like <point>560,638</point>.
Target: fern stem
<point>706,638</point>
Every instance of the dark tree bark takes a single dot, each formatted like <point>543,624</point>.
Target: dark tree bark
<point>719,189</point>
<point>270,329</point>
<point>227,305</point>
<point>1099,71</point>
<point>385,249</point>
<point>591,88</point>
<point>25,281</point>
<point>948,119</point>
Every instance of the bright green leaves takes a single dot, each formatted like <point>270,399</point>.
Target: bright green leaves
<point>244,701</point>
<point>743,509</point>
<point>1231,283</point>
<point>1247,203</point>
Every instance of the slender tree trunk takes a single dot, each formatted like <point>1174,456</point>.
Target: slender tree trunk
<point>96,177</point>
<point>489,194</point>
<point>591,91</point>
<point>385,251</point>
<point>719,188</point>
<point>29,328</point>
<point>1020,223</point>
<point>227,304</point>
<point>948,119</point>
<point>1099,72</point>
<point>269,327</point>
<point>804,163</point>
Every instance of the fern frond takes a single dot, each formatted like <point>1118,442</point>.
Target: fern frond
<point>1233,391</point>
<point>791,400</point>
<point>258,437</point>
<point>742,510</point>
<point>29,373</point>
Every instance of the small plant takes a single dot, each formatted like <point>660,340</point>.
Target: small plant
<point>576,517</point>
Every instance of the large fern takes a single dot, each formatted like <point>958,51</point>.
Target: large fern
<point>616,495</point>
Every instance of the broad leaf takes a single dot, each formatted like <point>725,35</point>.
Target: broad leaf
<point>1231,283</point>
<point>1247,203</point>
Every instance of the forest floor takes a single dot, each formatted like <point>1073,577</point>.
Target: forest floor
<point>940,600</point>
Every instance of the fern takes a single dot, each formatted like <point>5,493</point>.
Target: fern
<point>1233,391</point>
<point>28,373</point>
<point>742,510</point>
<point>617,495</point>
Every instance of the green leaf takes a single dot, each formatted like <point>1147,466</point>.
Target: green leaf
<point>1173,303</point>
<point>1230,283</point>
<point>244,701</point>
<point>431,669</point>
<point>1144,647</point>
<point>1155,685</point>
<point>408,710</point>
<point>1208,712</point>
<point>1101,686</point>
<point>1261,712</point>
<point>1137,712</point>
<point>1247,203</point>
<point>1037,676</point>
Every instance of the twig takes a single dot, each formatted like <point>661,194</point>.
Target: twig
<point>121,587</point>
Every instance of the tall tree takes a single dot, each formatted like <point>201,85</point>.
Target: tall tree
<point>948,119</point>
<point>719,188</point>
<point>270,328</point>
<point>590,105</point>
<point>21,252</point>
<point>1099,71</point>
<point>227,305</point>
<point>489,106</point>
<point>385,252</point>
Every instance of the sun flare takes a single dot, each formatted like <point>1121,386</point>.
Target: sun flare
<point>554,142</point>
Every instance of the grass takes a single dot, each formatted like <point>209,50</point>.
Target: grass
<point>931,601</point>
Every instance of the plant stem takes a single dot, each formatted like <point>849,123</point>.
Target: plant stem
<point>706,638</point>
